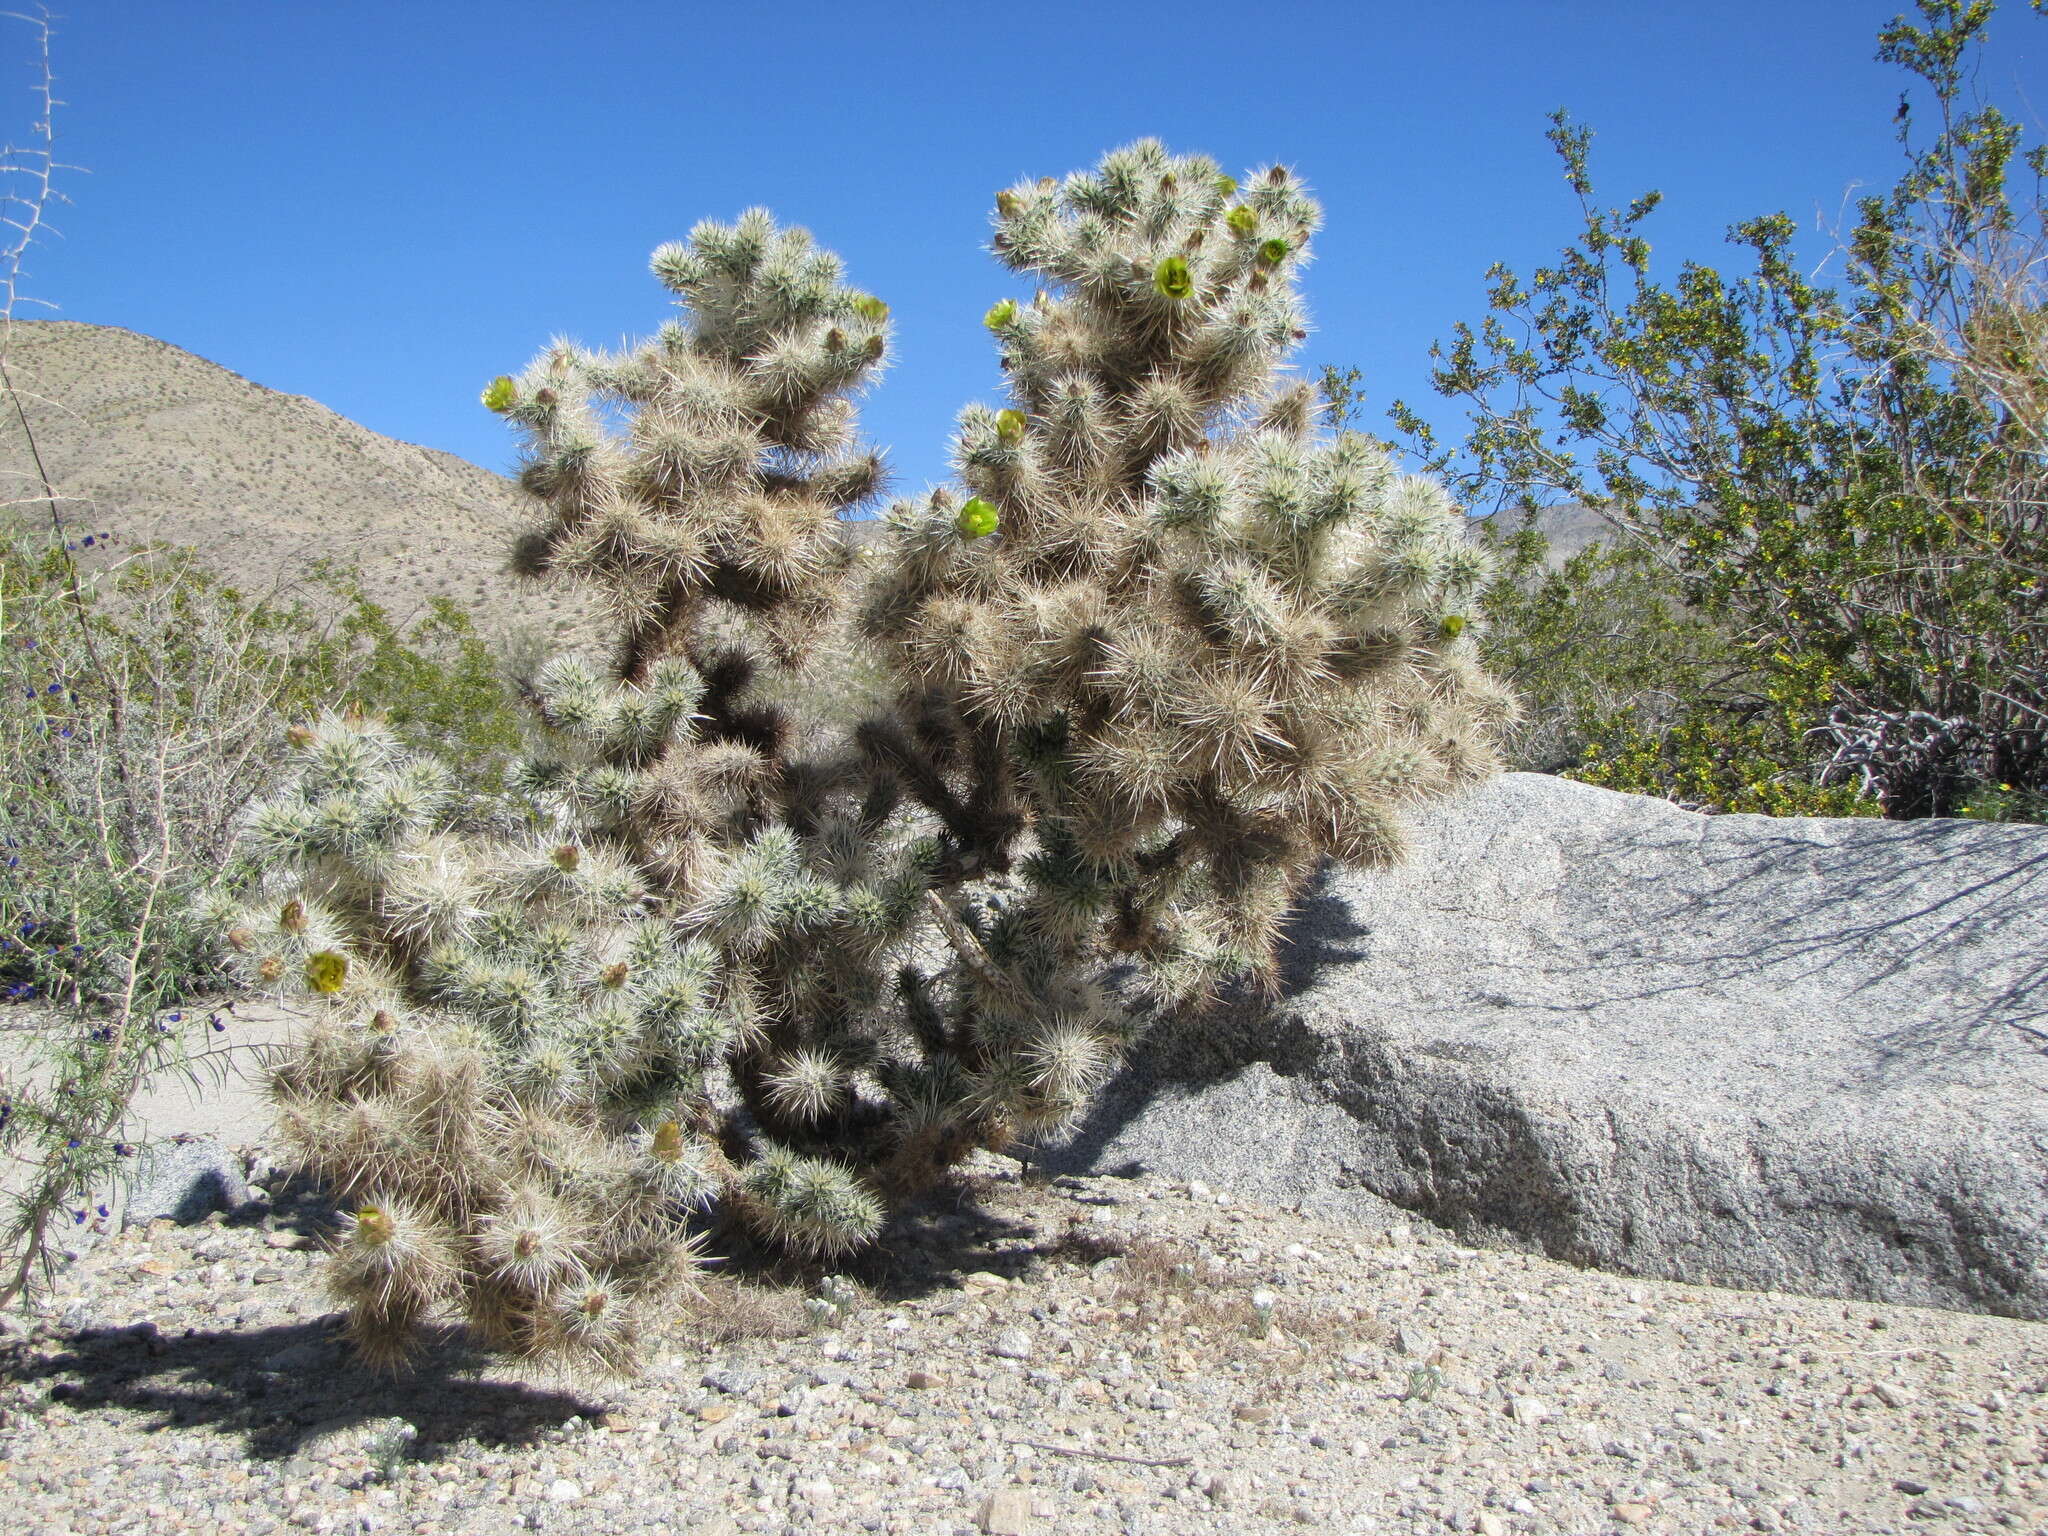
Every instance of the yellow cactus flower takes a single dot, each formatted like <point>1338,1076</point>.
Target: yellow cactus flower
<point>326,971</point>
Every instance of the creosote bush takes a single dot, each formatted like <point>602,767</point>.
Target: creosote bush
<point>1170,650</point>
<point>1849,483</point>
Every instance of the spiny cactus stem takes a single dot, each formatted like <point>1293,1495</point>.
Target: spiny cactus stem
<point>973,955</point>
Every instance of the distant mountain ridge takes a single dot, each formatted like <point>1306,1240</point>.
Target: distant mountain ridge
<point>1570,527</point>
<point>151,442</point>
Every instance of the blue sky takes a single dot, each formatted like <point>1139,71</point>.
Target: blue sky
<point>382,205</point>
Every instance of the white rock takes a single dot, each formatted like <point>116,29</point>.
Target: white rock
<point>1006,1512</point>
<point>1413,1342</point>
<point>1529,1410</point>
<point>562,1491</point>
<point>1012,1344</point>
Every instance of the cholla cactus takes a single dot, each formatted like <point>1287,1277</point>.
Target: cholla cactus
<point>526,1013</point>
<point>1169,653</point>
<point>1192,647</point>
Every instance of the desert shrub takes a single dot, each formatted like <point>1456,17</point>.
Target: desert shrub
<point>135,731</point>
<point>1622,682</point>
<point>143,709</point>
<point>1627,686</point>
<point>1847,482</point>
<point>1170,649</point>
<point>139,716</point>
<point>435,680</point>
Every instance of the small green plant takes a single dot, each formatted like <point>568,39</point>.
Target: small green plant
<point>436,681</point>
<point>1172,649</point>
<point>1424,1382</point>
<point>1626,686</point>
<point>836,1301</point>
<point>1263,1304</point>
<point>2005,802</point>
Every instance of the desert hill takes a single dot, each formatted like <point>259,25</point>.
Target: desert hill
<point>152,443</point>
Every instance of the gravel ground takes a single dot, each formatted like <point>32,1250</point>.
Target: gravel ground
<point>1112,1355</point>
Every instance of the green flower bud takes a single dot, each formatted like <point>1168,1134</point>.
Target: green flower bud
<point>1000,314</point>
<point>374,1229</point>
<point>500,396</point>
<point>1274,251</point>
<point>1227,185</point>
<point>1007,204</point>
<point>1242,221</point>
<point>977,518</point>
<point>1010,428</point>
<point>1452,626</point>
<point>1172,278</point>
<point>868,307</point>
